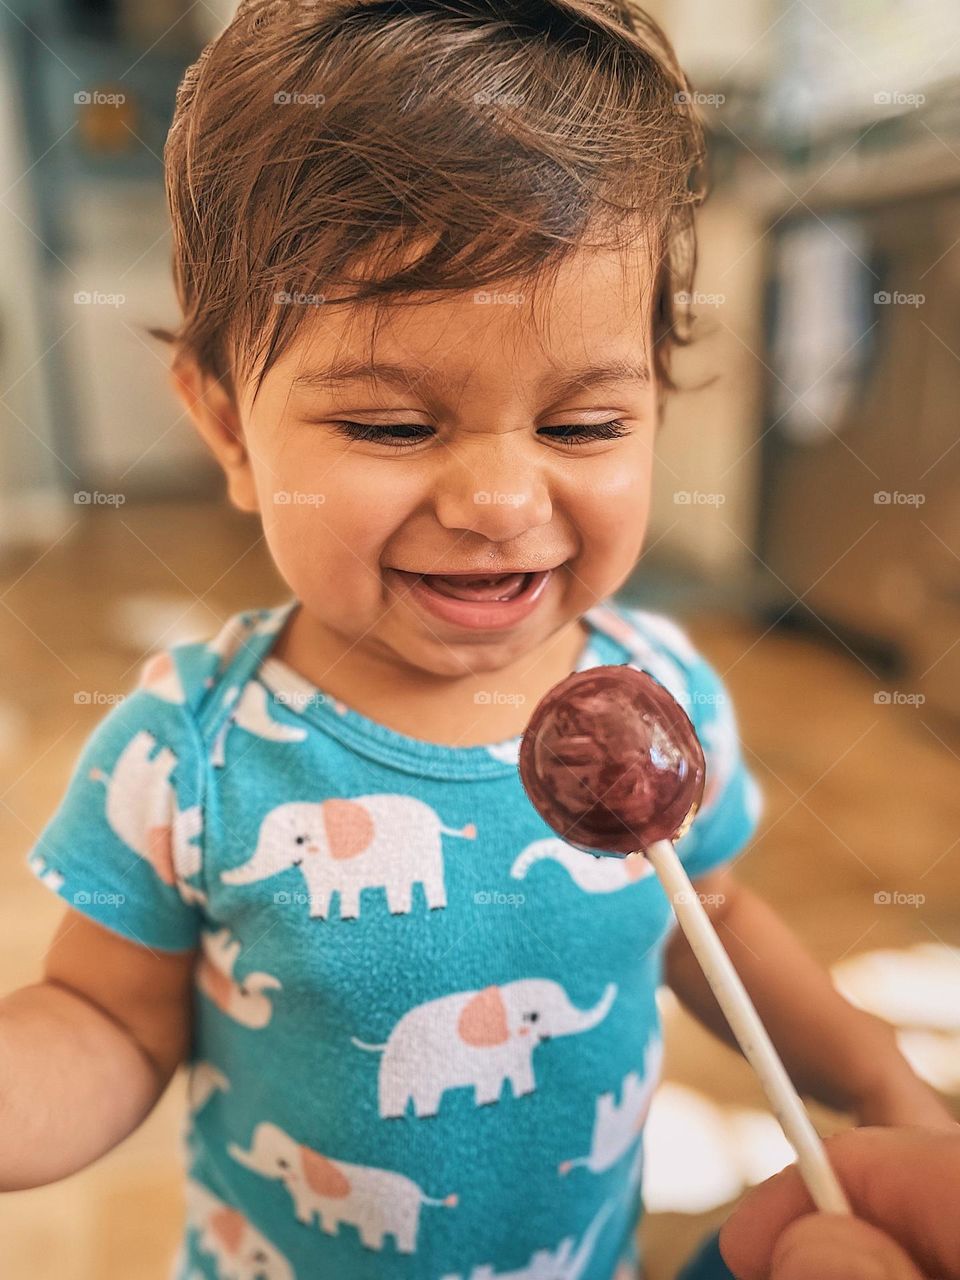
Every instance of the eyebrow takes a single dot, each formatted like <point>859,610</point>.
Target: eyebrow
<point>562,381</point>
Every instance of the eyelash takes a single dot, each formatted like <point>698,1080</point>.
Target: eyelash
<point>580,433</point>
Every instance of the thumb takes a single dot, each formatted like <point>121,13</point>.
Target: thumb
<point>824,1247</point>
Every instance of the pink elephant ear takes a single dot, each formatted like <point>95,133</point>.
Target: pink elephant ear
<point>637,867</point>
<point>160,852</point>
<point>348,826</point>
<point>215,984</point>
<point>156,669</point>
<point>323,1176</point>
<point>228,1227</point>
<point>483,1020</point>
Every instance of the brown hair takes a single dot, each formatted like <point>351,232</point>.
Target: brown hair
<point>451,143</point>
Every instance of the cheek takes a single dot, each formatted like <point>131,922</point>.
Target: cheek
<point>611,506</point>
<point>328,522</point>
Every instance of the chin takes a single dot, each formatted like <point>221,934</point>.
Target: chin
<point>471,657</point>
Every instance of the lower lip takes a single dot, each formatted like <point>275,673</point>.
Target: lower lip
<point>479,615</point>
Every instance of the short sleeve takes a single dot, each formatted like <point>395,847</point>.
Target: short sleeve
<point>124,845</point>
<point>732,801</point>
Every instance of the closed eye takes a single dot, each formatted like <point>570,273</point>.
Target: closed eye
<point>402,435</point>
<point>585,432</point>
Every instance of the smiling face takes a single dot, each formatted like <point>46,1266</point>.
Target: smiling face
<point>453,511</point>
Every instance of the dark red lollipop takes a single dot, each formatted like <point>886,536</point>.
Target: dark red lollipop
<point>612,762</point>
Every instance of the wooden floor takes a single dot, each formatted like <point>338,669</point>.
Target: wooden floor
<point>861,798</point>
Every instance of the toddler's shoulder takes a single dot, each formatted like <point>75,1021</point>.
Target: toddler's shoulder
<point>732,801</point>
<point>203,677</point>
<point>660,646</point>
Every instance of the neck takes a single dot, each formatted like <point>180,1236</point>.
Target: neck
<point>461,710</point>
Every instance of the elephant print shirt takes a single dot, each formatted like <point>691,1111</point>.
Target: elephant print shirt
<point>426,1034</point>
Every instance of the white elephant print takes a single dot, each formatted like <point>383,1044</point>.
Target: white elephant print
<point>389,842</point>
<point>50,876</point>
<point>593,873</point>
<point>378,1202</point>
<point>507,752</point>
<point>562,1263</point>
<point>141,808</point>
<point>477,1039</point>
<point>617,1128</point>
<point>251,713</point>
<point>245,1000</point>
<point>240,1251</point>
<point>242,627</point>
<point>645,655</point>
<point>203,1081</point>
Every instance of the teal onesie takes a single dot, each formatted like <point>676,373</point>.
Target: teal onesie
<point>426,1033</point>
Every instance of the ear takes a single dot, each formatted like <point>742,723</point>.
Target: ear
<point>228,1227</point>
<point>483,1020</point>
<point>348,826</point>
<point>323,1176</point>
<point>217,420</point>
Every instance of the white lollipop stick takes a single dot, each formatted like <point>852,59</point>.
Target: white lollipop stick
<point>815,1168</point>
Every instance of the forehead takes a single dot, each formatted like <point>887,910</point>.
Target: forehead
<point>594,310</point>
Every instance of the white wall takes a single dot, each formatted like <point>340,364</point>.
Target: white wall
<point>31,504</point>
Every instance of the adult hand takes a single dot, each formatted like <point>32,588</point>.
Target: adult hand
<point>904,1186</point>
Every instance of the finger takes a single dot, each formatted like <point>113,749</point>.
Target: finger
<point>819,1247</point>
<point>904,1181</point>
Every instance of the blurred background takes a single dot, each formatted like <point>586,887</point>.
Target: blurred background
<point>806,529</point>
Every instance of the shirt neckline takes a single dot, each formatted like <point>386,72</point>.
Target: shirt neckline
<point>376,741</point>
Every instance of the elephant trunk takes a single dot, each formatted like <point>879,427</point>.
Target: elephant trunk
<point>590,1018</point>
<point>259,867</point>
<point>246,1158</point>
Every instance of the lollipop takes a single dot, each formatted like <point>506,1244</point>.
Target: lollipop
<point>612,763</point>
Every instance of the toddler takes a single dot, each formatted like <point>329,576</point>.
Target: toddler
<point>428,256</point>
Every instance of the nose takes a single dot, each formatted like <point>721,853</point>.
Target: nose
<point>491,490</point>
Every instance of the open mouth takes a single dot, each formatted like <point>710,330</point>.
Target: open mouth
<point>478,601</point>
<point>459,586</point>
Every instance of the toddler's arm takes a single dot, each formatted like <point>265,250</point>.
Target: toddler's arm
<point>86,1053</point>
<point>840,1054</point>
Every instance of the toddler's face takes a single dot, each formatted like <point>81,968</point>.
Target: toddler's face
<point>456,510</point>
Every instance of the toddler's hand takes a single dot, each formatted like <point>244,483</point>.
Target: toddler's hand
<point>904,1102</point>
<point>904,1186</point>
